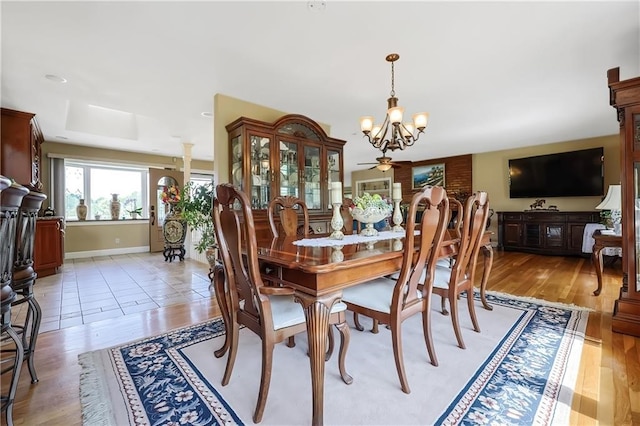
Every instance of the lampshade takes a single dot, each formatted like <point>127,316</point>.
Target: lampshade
<point>613,199</point>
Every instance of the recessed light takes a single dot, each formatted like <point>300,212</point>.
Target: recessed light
<point>206,114</point>
<point>317,6</point>
<point>55,78</point>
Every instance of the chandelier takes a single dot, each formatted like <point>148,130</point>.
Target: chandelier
<point>393,133</point>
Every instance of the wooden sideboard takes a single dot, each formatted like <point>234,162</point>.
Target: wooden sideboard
<point>544,232</point>
<point>49,245</point>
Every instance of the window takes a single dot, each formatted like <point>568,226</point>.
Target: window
<point>96,182</point>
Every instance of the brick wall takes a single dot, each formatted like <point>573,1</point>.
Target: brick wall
<point>457,175</point>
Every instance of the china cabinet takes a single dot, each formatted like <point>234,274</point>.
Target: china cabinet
<point>624,96</point>
<point>292,156</point>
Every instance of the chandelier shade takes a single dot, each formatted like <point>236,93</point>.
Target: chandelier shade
<point>393,134</point>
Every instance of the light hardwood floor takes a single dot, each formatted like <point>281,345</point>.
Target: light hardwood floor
<point>607,390</point>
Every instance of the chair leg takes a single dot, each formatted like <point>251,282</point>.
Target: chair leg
<point>426,330</point>
<point>223,303</point>
<point>374,327</point>
<point>345,337</point>
<point>34,307</point>
<point>233,334</point>
<point>356,322</point>
<point>15,376</point>
<point>396,337</point>
<point>472,310</point>
<point>330,345</point>
<point>265,379</point>
<point>443,304</point>
<point>453,302</point>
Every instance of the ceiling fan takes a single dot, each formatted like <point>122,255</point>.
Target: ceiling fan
<point>384,163</point>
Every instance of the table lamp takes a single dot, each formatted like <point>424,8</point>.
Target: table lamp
<point>612,202</point>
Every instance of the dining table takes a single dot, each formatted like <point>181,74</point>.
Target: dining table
<point>321,271</point>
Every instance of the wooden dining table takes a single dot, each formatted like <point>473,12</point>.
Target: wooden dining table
<point>319,274</point>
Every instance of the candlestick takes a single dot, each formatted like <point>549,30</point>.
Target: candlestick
<point>336,192</point>
<point>336,222</point>
<point>397,191</point>
<point>397,216</point>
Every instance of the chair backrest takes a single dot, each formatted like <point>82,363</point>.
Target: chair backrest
<point>289,210</point>
<point>433,202</point>
<point>26,229</point>
<point>456,216</point>
<point>242,273</point>
<point>476,212</point>
<point>347,218</point>
<point>10,201</point>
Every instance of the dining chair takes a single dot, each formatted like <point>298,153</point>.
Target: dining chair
<point>451,281</point>
<point>270,312</point>
<point>289,210</point>
<point>390,301</point>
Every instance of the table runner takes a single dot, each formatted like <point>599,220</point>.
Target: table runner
<point>349,239</point>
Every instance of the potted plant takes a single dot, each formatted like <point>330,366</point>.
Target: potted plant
<point>135,212</point>
<point>195,204</point>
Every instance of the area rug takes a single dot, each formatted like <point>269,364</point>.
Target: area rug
<point>520,369</point>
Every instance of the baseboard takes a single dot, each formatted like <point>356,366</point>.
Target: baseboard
<point>106,252</point>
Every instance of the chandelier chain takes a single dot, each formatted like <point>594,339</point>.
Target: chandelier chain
<point>393,79</point>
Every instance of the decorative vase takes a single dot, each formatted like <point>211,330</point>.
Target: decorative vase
<point>369,216</point>
<point>81,210</point>
<point>174,230</point>
<point>115,207</point>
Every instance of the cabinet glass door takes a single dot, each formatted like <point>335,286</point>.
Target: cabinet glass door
<point>236,162</point>
<point>333,170</point>
<point>288,153</point>
<point>260,169</point>
<point>312,178</point>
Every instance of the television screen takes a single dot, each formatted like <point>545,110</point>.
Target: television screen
<point>567,174</point>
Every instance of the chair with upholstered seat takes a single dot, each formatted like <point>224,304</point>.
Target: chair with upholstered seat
<point>451,281</point>
<point>270,312</point>
<point>293,217</point>
<point>392,301</point>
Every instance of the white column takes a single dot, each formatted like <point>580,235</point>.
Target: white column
<point>186,156</point>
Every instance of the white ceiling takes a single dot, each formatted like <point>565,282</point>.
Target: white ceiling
<point>492,75</point>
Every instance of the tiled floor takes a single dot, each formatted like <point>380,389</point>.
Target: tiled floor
<point>97,288</point>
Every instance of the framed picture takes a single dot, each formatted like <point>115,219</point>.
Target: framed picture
<point>432,174</point>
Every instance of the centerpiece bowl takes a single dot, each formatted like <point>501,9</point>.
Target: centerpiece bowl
<point>369,216</point>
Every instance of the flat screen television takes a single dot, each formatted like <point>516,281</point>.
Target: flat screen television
<point>566,174</point>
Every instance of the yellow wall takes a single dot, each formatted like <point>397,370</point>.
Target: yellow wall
<point>90,237</point>
<point>491,174</point>
<point>226,110</point>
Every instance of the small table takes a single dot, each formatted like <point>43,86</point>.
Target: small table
<point>602,241</point>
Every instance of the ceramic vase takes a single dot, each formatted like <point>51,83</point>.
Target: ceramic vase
<point>115,207</point>
<point>81,210</point>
